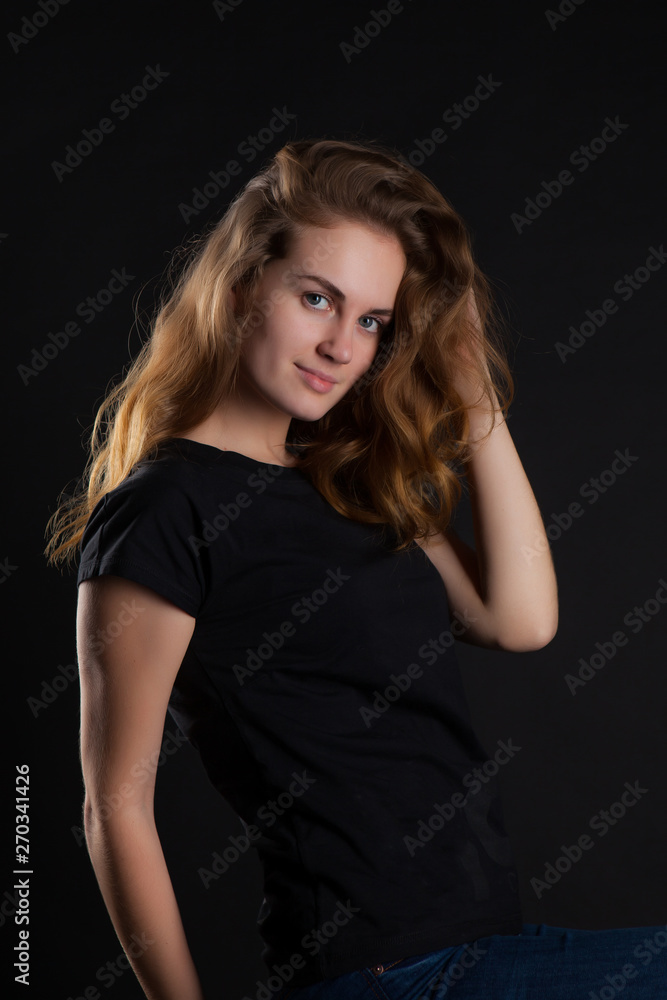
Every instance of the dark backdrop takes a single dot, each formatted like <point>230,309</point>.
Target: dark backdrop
<point>587,315</point>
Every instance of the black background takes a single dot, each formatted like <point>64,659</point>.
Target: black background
<point>119,208</point>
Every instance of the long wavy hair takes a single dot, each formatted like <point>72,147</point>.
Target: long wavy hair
<point>390,451</point>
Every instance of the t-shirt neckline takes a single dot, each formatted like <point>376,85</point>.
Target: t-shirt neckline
<point>237,459</point>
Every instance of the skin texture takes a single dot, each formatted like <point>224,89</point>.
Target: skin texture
<point>504,590</point>
<point>125,689</point>
<point>504,598</point>
<point>309,326</point>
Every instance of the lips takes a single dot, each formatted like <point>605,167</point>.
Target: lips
<point>317,381</point>
<point>321,375</point>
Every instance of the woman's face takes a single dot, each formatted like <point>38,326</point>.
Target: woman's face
<point>323,310</point>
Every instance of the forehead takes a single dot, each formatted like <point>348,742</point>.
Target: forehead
<point>349,254</point>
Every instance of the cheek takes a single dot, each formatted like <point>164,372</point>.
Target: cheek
<point>281,332</point>
<point>369,355</point>
<point>262,346</point>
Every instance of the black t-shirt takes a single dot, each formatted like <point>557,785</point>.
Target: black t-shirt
<point>322,691</point>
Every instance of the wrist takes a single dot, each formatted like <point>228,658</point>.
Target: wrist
<point>483,425</point>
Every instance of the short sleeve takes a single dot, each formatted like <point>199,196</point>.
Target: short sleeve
<point>142,530</point>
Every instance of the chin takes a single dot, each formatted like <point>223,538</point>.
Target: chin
<point>309,414</point>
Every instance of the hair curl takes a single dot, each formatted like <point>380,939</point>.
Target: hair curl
<point>387,452</point>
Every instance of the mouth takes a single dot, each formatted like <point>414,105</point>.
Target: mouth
<point>317,380</point>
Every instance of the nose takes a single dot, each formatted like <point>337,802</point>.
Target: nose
<point>337,344</point>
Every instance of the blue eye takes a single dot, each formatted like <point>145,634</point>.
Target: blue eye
<point>326,301</point>
<point>380,324</point>
<point>316,295</point>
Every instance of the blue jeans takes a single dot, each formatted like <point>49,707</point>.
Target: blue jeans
<point>540,963</point>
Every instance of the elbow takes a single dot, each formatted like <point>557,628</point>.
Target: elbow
<point>94,818</point>
<point>528,637</point>
<point>89,812</point>
<point>115,809</point>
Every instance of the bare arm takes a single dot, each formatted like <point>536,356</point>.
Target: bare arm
<point>125,689</point>
<point>507,584</point>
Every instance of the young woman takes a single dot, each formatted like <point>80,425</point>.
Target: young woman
<point>267,553</point>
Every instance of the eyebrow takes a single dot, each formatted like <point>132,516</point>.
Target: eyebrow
<point>330,287</point>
